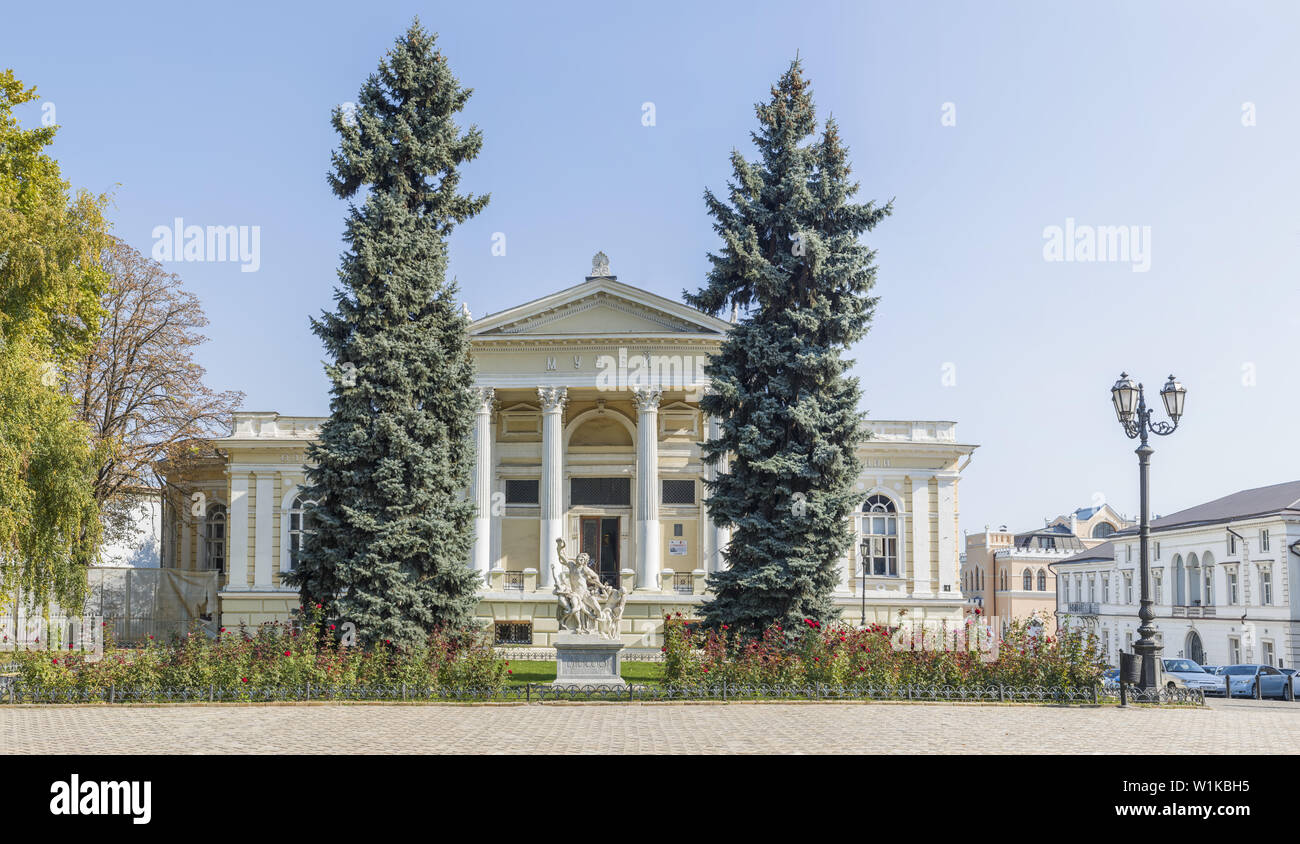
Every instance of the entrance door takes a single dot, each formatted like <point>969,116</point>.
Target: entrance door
<point>600,542</point>
<point>1195,652</point>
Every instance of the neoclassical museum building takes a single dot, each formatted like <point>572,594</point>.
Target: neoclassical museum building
<point>588,430</point>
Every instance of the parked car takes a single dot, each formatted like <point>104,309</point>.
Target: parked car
<point>1295,680</point>
<point>1211,669</point>
<point>1192,676</point>
<point>1259,681</point>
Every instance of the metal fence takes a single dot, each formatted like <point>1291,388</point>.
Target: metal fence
<point>19,693</point>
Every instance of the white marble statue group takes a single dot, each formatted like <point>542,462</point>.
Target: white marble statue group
<point>586,605</point>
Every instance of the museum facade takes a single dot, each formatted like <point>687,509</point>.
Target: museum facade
<point>588,431</point>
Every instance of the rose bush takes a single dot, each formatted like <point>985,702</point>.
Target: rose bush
<point>237,662</point>
<point>879,656</point>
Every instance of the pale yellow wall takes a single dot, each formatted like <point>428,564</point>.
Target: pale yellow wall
<point>520,543</point>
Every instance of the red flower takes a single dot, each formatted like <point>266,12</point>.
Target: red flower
<point>331,626</point>
<point>664,649</point>
<point>724,627</point>
<point>56,662</point>
<point>286,653</point>
<point>706,671</point>
<point>510,672</point>
<point>245,679</point>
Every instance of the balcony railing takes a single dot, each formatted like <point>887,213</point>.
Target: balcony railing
<point>514,581</point>
<point>684,584</point>
<point>1083,608</point>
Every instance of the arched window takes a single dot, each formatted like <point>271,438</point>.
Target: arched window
<point>1042,580</point>
<point>1002,580</point>
<point>1028,580</point>
<point>299,526</point>
<point>1101,530</point>
<point>214,538</point>
<point>1180,584</point>
<point>879,537</point>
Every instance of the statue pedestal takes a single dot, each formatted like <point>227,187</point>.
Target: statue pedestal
<point>587,660</point>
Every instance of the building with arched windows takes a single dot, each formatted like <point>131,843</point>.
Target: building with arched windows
<point>588,430</point>
<point>1220,579</point>
<point>1009,576</point>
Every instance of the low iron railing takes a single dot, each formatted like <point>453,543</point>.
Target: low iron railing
<point>19,693</point>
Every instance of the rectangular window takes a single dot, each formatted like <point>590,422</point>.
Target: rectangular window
<point>1128,587</point>
<point>1105,589</point>
<point>522,491</point>
<point>1156,583</point>
<point>1265,587</point>
<point>1268,652</point>
<point>1157,550</point>
<point>1232,544</point>
<point>597,492</point>
<point>678,492</point>
<point>1263,540</point>
<point>1234,650</point>
<point>1092,589</point>
<point>1232,587</point>
<point>513,633</point>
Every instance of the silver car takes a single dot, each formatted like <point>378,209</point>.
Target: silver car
<point>1192,676</point>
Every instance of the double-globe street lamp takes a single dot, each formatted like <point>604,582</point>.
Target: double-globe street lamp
<point>1135,417</point>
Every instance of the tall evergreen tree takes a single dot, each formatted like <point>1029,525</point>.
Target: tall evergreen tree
<point>393,528</point>
<point>791,259</point>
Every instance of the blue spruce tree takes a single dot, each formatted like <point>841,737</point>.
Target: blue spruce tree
<point>791,260</point>
<point>392,526</point>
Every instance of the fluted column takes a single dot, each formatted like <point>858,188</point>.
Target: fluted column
<point>480,558</point>
<point>647,487</point>
<point>717,536</point>
<point>552,492</point>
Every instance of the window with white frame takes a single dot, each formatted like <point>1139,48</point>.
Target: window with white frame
<point>1105,588</point>
<point>1231,574</point>
<point>1209,586</point>
<point>299,527</point>
<point>1157,581</point>
<point>879,537</point>
<point>214,538</point>
<point>1027,581</point>
<point>1265,586</point>
<point>1128,587</point>
<point>1092,588</point>
<point>1263,540</point>
<point>1232,544</point>
<point>1234,650</point>
<point>1157,551</point>
<point>1002,580</point>
<point>1269,654</point>
<point>1042,580</point>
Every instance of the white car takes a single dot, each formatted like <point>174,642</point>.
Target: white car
<point>1190,675</point>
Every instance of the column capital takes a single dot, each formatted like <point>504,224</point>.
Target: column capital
<point>647,398</point>
<point>553,398</point>
<point>485,397</point>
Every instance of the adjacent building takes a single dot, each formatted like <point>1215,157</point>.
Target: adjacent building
<point>588,431</point>
<point>1009,576</point>
<point>1221,578</point>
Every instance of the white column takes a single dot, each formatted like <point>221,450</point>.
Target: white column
<point>552,492</point>
<point>237,524</point>
<point>921,535</point>
<point>647,487</point>
<point>262,531</point>
<point>480,558</point>
<point>716,536</point>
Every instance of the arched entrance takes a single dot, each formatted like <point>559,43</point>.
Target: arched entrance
<point>1193,648</point>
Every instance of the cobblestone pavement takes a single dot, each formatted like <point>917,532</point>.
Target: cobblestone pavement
<point>622,728</point>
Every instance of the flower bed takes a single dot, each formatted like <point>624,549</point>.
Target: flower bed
<point>841,656</point>
<point>238,662</point>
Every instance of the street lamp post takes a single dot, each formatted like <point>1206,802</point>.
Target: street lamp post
<point>1135,418</point>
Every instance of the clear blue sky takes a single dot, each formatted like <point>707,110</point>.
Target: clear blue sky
<point>1108,113</point>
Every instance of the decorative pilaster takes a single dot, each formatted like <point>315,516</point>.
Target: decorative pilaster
<point>262,530</point>
<point>481,484</point>
<point>237,551</point>
<point>949,560</point>
<point>921,535</point>
<point>552,400</point>
<point>647,480</point>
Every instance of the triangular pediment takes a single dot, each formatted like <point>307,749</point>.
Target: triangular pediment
<point>601,307</point>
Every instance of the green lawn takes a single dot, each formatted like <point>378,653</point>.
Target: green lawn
<point>543,671</point>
